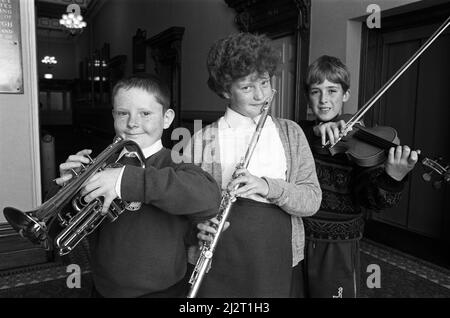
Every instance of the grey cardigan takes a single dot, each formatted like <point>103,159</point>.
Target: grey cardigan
<point>299,196</point>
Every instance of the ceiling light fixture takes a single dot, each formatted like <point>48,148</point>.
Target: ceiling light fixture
<point>73,20</point>
<point>49,60</point>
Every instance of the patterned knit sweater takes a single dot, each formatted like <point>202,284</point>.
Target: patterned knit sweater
<point>347,191</point>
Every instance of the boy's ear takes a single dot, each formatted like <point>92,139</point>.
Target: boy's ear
<point>346,95</point>
<point>226,95</point>
<point>169,116</point>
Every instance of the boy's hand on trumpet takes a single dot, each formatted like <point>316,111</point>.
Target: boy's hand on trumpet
<point>72,164</point>
<point>102,184</point>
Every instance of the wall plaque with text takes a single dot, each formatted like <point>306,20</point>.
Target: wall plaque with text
<point>11,77</point>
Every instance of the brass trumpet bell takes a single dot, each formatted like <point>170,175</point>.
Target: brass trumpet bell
<point>26,225</point>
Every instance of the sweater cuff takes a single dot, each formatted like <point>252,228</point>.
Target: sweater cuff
<point>275,190</point>
<point>132,183</point>
<point>388,183</point>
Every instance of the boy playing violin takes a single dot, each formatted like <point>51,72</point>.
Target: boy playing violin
<point>332,266</point>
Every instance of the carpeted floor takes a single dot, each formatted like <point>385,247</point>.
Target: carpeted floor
<point>50,289</point>
<point>401,276</point>
<point>48,280</point>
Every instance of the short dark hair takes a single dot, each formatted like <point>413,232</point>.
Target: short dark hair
<point>148,82</point>
<point>327,68</point>
<point>237,56</point>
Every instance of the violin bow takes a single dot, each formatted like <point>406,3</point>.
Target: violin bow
<point>360,113</point>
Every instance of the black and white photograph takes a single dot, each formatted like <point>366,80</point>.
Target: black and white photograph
<point>243,153</point>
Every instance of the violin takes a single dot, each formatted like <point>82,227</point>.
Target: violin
<point>381,137</point>
<point>369,146</point>
<point>366,147</point>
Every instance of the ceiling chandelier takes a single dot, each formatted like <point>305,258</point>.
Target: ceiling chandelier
<point>73,20</point>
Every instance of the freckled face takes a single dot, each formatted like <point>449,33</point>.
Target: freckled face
<point>248,94</point>
<point>139,117</point>
<point>326,99</point>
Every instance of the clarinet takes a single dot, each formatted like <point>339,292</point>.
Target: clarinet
<point>207,250</point>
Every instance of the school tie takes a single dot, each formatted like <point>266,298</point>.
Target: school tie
<point>132,159</point>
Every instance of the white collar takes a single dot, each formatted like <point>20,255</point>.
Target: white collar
<point>151,150</point>
<point>235,120</point>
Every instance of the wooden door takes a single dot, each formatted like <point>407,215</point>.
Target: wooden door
<point>284,81</point>
<point>418,107</point>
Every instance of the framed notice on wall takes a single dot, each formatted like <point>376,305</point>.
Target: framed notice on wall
<point>11,77</point>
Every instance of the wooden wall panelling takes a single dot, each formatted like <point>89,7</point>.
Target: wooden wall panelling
<point>165,49</point>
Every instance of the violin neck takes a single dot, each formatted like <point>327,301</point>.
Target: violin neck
<point>379,142</point>
<point>434,165</point>
<point>373,139</point>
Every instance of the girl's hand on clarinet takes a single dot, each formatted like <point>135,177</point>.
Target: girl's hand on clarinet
<point>208,229</point>
<point>250,184</point>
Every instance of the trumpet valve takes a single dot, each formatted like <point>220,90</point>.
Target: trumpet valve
<point>90,159</point>
<point>75,174</point>
<point>62,221</point>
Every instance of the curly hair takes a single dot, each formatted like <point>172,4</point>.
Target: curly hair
<point>327,68</point>
<point>237,56</point>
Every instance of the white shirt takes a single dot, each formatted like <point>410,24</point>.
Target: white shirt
<point>235,134</point>
<point>150,150</point>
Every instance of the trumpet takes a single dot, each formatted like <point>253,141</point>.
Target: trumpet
<point>207,250</point>
<point>68,209</point>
